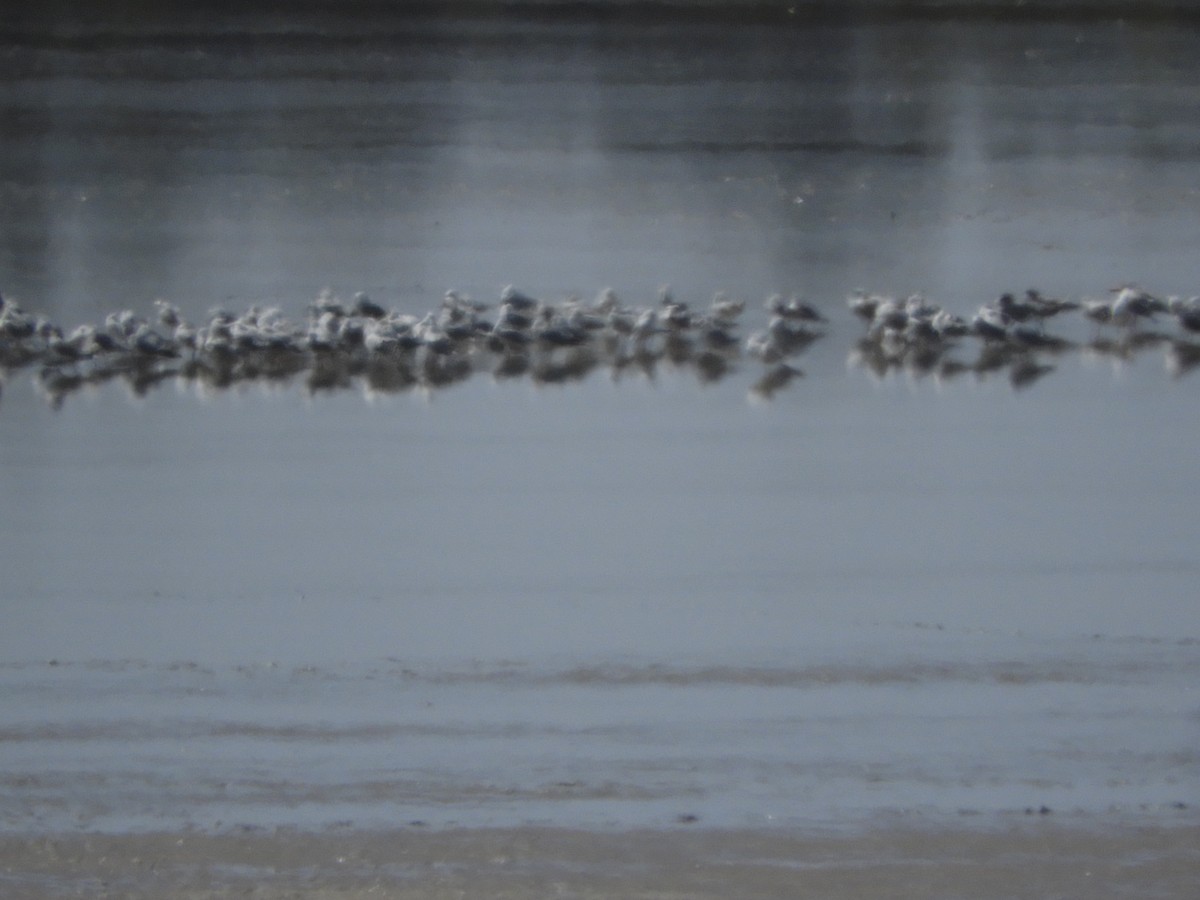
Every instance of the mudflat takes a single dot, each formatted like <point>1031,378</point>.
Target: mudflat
<point>1038,858</point>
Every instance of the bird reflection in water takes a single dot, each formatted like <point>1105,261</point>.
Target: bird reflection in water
<point>360,344</point>
<point>1008,337</point>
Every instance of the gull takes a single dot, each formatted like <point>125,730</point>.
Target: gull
<point>380,338</point>
<point>921,330</point>
<point>760,345</point>
<point>511,318</point>
<point>453,298</point>
<point>726,311</point>
<point>864,305</point>
<point>621,321</point>
<point>322,334</point>
<point>890,315</point>
<point>781,338</point>
<point>247,331</point>
<point>1047,307</point>
<point>948,325</point>
<point>214,339</point>
<point>917,307</point>
<point>455,310</point>
<point>584,319</point>
<point>793,309</point>
<point>146,342</point>
<point>367,308</point>
<point>990,324</point>
<point>350,331</point>
<point>89,342</point>
<point>15,323</point>
<point>59,348</point>
<point>459,323</point>
<point>326,302</point>
<point>1132,304</point>
<point>186,335</point>
<point>404,326</point>
<point>1014,310</point>
<point>168,314</point>
<point>517,300</point>
<point>606,302</point>
<point>676,316</point>
<point>1098,311</point>
<point>557,332</point>
<point>122,324</point>
<point>433,338</point>
<point>645,325</point>
<point>503,338</point>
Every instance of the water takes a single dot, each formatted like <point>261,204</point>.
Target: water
<point>823,738</point>
<point>404,156</point>
<point>622,601</point>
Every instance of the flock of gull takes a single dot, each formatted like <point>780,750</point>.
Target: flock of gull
<point>340,343</point>
<point>921,338</point>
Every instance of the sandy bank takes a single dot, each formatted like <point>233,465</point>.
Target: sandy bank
<point>1040,859</point>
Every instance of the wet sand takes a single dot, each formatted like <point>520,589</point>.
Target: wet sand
<point>1034,858</point>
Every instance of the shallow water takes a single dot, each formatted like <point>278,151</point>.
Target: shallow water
<point>622,600</point>
<point>920,726</point>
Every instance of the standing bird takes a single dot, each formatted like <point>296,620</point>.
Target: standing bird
<point>517,300</point>
<point>1098,311</point>
<point>793,309</point>
<point>1047,307</point>
<point>864,305</point>
<point>1014,310</point>
<point>990,323</point>
<point>1132,304</point>
<point>726,311</point>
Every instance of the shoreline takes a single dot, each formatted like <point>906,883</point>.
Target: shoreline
<point>1040,858</point>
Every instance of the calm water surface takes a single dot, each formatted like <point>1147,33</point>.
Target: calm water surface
<point>618,600</point>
